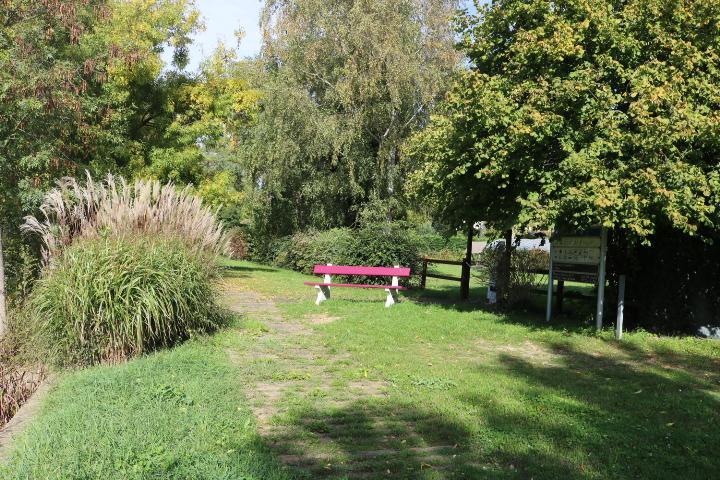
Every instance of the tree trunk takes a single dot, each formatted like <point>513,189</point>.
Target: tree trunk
<point>3,310</point>
<point>465,279</point>
<point>503,277</point>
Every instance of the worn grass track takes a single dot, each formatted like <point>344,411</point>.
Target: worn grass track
<point>436,389</point>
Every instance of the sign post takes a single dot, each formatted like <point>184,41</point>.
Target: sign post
<point>601,281</point>
<point>620,308</point>
<point>548,313</point>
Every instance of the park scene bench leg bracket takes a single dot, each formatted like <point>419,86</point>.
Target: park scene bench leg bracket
<point>323,294</point>
<point>392,297</point>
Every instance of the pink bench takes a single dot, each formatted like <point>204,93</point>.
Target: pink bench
<point>323,287</point>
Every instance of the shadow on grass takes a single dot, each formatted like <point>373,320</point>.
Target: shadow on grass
<point>378,440</point>
<point>242,271</point>
<point>603,416</point>
<point>704,362</point>
<point>577,315</point>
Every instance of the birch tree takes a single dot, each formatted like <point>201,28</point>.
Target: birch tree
<point>355,78</point>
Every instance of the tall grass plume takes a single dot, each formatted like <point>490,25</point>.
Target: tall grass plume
<point>92,208</point>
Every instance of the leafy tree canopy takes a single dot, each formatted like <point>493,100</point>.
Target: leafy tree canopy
<point>72,73</point>
<point>580,112</point>
<point>345,83</point>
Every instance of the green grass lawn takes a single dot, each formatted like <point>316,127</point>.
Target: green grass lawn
<point>431,388</point>
<point>175,414</point>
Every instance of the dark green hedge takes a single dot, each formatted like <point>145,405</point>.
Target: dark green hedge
<point>373,245</point>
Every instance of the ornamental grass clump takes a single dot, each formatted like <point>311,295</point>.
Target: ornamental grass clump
<point>108,299</point>
<point>75,210</point>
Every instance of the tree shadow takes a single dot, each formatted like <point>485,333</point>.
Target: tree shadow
<point>698,362</point>
<point>577,315</point>
<point>609,418</point>
<point>241,271</point>
<point>374,440</point>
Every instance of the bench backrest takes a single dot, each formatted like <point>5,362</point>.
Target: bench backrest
<point>365,271</point>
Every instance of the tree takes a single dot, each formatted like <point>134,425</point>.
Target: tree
<point>345,83</point>
<point>580,112</point>
<point>69,71</point>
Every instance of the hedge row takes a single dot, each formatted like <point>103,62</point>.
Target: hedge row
<point>373,245</point>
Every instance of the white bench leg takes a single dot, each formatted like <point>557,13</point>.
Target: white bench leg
<point>392,293</point>
<point>392,297</point>
<point>323,294</point>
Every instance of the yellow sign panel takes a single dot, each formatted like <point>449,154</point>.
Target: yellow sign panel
<point>576,250</point>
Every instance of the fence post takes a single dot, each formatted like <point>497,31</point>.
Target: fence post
<point>3,306</point>
<point>423,279</point>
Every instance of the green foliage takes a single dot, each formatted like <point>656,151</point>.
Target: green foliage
<point>344,84</point>
<point>302,251</point>
<point>385,245</point>
<point>434,245</point>
<point>78,90</point>
<point>107,299</point>
<point>580,113</point>
<point>521,279</point>
<point>375,245</point>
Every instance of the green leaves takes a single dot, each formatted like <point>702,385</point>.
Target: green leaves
<point>587,112</point>
<point>345,83</point>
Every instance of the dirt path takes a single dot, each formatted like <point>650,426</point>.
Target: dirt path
<point>21,419</point>
<point>317,420</point>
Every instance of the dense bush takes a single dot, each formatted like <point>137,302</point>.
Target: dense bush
<point>373,245</point>
<point>237,245</point>
<point>302,251</point>
<point>107,299</point>
<point>522,279</point>
<point>434,245</point>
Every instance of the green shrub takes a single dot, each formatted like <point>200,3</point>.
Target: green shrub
<point>300,252</point>
<point>107,299</point>
<point>522,279</point>
<point>384,245</point>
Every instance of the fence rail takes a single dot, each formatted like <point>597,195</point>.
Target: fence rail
<point>426,275</point>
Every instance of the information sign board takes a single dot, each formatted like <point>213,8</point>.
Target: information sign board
<point>579,257</point>
<point>576,258</point>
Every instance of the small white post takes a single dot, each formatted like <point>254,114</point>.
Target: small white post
<point>601,281</point>
<point>620,308</point>
<point>324,290</point>
<point>548,312</point>
<point>392,296</point>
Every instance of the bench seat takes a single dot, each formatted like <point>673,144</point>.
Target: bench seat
<point>353,285</point>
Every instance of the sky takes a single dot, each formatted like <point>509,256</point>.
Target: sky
<point>222,19</point>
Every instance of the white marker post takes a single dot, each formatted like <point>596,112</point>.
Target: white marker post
<point>548,314</point>
<point>620,308</point>
<point>601,281</point>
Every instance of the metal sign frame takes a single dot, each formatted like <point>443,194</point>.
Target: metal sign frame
<point>580,261</point>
